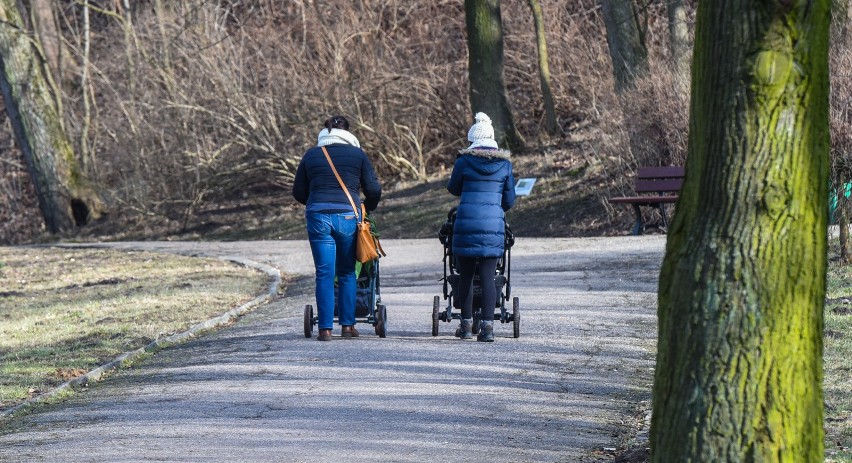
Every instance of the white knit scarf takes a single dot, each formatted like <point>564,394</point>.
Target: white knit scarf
<point>329,137</point>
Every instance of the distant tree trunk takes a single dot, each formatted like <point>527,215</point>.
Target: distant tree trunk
<point>485,69</point>
<point>841,17</point>
<point>840,113</point>
<point>678,38</point>
<point>48,35</point>
<point>49,46</point>
<point>544,69</point>
<point>128,47</point>
<point>741,293</point>
<point>626,43</point>
<point>842,214</point>
<point>846,23</point>
<point>65,199</point>
<point>85,154</point>
<point>165,56</point>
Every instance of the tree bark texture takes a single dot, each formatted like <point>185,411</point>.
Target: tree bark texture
<point>626,42</point>
<point>129,43</point>
<point>739,364</point>
<point>842,214</point>
<point>544,69</point>
<point>678,37</point>
<point>165,55</point>
<point>841,17</point>
<point>848,20</point>
<point>86,161</point>
<point>48,34</point>
<point>485,68</point>
<point>64,197</point>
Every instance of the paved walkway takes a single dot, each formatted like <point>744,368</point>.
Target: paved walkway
<point>260,391</point>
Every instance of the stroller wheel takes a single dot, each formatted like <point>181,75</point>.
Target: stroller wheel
<point>436,316</point>
<point>309,320</point>
<point>516,316</point>
<point>381,320</point>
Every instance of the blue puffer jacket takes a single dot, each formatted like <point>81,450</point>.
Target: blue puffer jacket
<point>483,178</point>
<point>316,186</point>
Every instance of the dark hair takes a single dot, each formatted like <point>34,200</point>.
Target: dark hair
<point>336,122</point>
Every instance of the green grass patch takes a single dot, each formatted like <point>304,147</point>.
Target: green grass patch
<point>64,312</point>
<point>838,364</point>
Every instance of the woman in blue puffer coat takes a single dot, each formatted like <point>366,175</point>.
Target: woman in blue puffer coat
<point>482,177</point>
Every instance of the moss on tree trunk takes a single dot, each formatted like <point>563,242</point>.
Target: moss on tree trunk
<point>65,198</point>
<point>739,366</point>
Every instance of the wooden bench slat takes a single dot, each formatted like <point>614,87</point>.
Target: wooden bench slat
<point>661,172</point>
<point>644,200</point>
<point>662,185</point>
<point>658,186</point>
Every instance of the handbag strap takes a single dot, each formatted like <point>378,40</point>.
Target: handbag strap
<point>342,185</point>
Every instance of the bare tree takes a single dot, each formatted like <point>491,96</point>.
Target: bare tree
<point>65,198</point>
<point>48,34</point>
<point>485,68</point>
<point>165,54</point>
<point>626,42</point>
<point>678,38</point>
<point>741,295</point>
<point>129,40</point>
<point>85,154</point>
<point>544,68</point>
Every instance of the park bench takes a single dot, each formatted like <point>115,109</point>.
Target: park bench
<point>655,187</point>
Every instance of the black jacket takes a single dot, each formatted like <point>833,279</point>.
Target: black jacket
<point>317,188</point>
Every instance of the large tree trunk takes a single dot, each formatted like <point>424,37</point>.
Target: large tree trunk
<point>739,364</point>
<point>544,69</point>
<point>678,38</point>
<point>626,43</point>
<point>64,197</point>
<point>485,69</point>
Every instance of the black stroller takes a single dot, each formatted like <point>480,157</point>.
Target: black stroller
<point>502,280</point>
<point>368,302</point>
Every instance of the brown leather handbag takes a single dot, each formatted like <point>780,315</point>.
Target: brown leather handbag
<point>367,246</point>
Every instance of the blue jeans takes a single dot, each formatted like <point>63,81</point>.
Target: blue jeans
<point>332,238</point>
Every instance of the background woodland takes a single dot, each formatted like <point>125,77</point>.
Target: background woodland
<point>179,107</point>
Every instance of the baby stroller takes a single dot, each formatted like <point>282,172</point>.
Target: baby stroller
<point>502,281</point>
<point>368,301</point>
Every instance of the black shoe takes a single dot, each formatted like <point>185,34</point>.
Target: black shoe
<point>464,330</point>
<point>486,333</point>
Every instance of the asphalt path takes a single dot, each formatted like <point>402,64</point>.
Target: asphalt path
<point>259,391</point>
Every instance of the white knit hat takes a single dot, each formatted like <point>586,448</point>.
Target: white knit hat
<point>481,134</point>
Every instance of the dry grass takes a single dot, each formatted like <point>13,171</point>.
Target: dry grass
<point>64,312</point>
<point>221,106</point>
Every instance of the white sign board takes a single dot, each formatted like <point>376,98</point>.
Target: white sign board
<point>524,186</point>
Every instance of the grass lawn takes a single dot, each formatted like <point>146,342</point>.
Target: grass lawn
<point>837,385</point>
<point>64,312</point>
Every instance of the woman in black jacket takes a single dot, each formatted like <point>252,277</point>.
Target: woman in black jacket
<point>331,222</point>
<point>482,177</point>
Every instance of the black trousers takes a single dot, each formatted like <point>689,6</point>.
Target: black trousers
<point>485,268</point>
